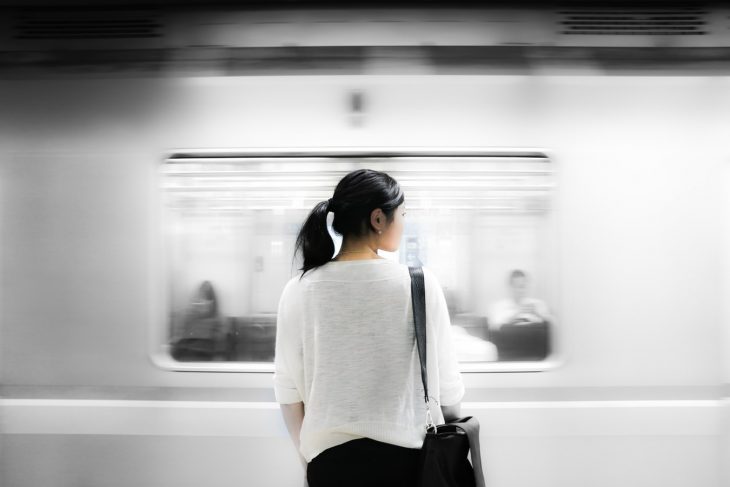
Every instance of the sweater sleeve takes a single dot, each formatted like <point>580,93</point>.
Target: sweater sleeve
<point>287,356</point>
<point>451,386</point>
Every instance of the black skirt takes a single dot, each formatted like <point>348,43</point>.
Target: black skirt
<point>364,462</point>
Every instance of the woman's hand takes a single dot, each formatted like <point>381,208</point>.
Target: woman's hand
<point>294,417</point>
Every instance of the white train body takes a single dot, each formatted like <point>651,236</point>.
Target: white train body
<point>637,396</point>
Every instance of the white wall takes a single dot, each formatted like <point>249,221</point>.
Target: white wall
<point>118,443</point>
<point>725,445</point>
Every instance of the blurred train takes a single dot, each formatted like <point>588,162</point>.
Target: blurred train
<point>156,163</point>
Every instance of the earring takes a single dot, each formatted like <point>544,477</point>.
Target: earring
<point>380,231</point>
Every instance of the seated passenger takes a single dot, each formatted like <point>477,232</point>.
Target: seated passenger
<point>202,337</point>
<point>520,326</point>
<point>518,309</point>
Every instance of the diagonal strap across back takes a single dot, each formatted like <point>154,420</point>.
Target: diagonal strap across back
<point>418,297</point>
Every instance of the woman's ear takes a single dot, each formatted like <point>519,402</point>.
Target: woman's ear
<point>377,218</point>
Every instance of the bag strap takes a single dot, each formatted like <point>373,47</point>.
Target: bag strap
<point>469,425</point>
<point>418,297</point>
<point>471,428</point>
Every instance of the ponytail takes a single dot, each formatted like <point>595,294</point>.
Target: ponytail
<point>314,241</point>
<point>357,194</point>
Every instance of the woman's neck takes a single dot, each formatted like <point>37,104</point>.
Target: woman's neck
<point>357,251</point>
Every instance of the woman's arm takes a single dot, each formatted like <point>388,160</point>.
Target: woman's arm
<point>293,417</point>
<point>452,412</point>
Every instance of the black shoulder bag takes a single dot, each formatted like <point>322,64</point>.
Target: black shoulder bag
<point>443,461</point>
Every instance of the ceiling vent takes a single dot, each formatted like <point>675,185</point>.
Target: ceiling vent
<point>642,22</point>
<point>77,24</point>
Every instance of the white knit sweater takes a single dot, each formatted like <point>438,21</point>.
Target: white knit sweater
<point>345,347</point>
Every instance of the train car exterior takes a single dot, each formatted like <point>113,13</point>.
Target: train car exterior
<point>637,396</point>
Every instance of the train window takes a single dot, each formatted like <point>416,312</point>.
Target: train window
<point>483,221</point>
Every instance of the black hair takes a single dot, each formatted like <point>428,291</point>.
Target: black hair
<point>205,291</point>
<point>357,194</point>
<point>516,274</point>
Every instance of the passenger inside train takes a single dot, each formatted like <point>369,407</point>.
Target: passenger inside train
<point>202,336</point>
<point>519,324</point>
<point>518,309</point>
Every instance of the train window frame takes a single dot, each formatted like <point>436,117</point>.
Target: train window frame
<point>160,309</point>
